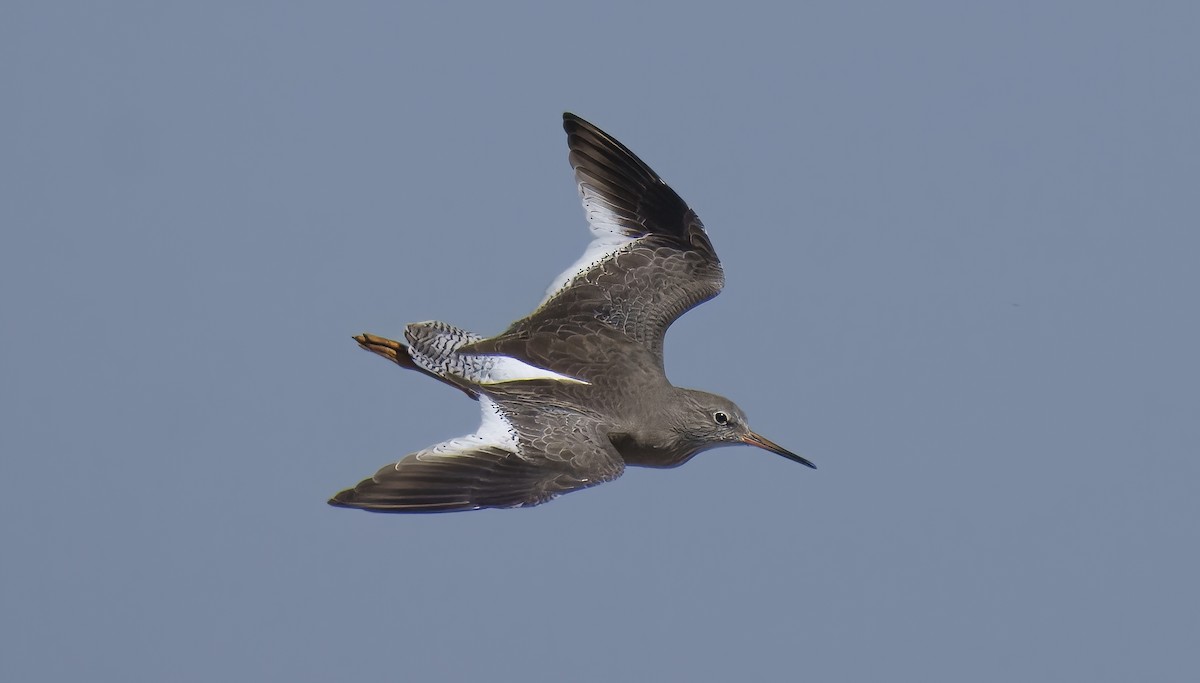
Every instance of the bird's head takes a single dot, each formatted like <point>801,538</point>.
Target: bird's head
<point>709,420</point>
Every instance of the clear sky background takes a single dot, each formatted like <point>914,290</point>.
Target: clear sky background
<point>963,257</point>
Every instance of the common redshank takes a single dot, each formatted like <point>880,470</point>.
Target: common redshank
<point>576,390</point>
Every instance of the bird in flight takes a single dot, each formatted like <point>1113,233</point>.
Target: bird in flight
<point>576,390</point>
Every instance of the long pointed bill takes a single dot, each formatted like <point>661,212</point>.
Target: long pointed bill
<point>766,444</point>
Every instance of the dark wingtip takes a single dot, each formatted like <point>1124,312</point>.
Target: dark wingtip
<point>342,499</point>
<point>571,122</point>
<point>349,500</point>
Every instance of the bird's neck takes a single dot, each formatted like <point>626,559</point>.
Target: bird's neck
<point>651,437</point>
<point>645,450</point>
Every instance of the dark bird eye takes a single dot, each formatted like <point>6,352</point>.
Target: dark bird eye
<point>720,418</point>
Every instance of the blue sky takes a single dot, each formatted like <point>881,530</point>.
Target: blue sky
<point>961,248</point>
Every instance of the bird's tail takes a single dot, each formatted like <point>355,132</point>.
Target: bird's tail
<point>432,345</point>
<point>430,351</point>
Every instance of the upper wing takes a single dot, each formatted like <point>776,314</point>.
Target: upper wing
<point>517,458</point>
<point>650,259</point>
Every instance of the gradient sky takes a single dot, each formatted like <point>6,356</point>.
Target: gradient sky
<point>962,247</point>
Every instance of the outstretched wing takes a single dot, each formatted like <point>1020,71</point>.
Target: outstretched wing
<point>516,458</point>
<point>649,261</point>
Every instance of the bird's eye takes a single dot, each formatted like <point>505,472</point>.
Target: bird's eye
<point>720,418</point>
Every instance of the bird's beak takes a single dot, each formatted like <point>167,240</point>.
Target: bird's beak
<point>766,444</point>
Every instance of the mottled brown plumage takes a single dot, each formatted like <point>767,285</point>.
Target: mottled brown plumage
<point>576,390</point>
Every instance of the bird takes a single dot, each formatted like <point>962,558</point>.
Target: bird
<point>576,391</point>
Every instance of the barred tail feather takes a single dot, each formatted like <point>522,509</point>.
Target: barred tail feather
<point>401,354</point>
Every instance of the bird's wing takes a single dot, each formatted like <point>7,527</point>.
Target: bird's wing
<point>649,261</point>
<point>517,458</point>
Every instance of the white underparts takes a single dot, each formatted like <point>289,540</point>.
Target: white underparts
<point>494,431</point>
<point>500,369</point>
<point>610,234</point>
